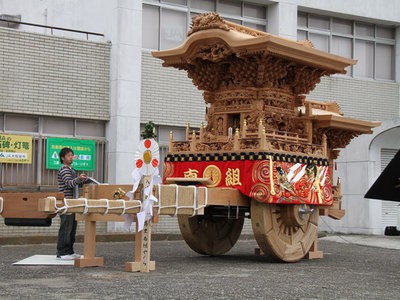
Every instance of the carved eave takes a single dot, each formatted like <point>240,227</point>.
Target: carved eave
<point>343,123</point>
<point>338,130</point>
<point>242,44</point>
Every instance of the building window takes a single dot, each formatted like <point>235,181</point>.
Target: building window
<point>173,28</point>
<point>165,23</point>
<point>151,25</point>
<point>40,127</point>
<point>21,123</point>
<point>372,45</point>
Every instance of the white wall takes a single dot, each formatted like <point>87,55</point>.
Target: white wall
<point>120,22</point>
<point>124,127</point>
<point>282,19</point>
<point>88,15</point>
<point>359,165</point>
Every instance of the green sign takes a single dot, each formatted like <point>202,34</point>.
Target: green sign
<point>84,153</point>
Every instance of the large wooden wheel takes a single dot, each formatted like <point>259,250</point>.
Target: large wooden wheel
<point>285,231</point>
<point>210,235</point>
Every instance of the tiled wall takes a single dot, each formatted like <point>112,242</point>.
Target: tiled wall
<point>56,76</point>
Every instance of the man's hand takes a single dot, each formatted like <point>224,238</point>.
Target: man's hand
<point>83,177</point>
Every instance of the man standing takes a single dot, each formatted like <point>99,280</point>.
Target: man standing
<point>68,183</point>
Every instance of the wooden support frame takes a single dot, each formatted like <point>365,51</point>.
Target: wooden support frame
<point>141,263</point>
<point>314,253</point>
<point>89,258</point>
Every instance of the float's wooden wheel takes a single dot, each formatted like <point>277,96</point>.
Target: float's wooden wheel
<point>282,230</point>
<point>210,235</point>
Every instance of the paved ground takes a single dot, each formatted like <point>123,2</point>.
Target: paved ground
<point>347,271</point>
<point>381,241</point>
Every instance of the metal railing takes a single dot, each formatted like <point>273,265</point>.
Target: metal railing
<point>35,176</point>
<point>53,28</point>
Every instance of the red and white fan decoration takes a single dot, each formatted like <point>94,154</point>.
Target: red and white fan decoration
<point>147,157</point>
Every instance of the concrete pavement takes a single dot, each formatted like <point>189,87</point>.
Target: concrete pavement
<point>381,241</point>
<point>347,271</point>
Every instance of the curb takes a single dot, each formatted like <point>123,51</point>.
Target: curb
<point>104,238</point>
<point>110,237</point>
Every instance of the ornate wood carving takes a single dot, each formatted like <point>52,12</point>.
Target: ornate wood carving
<point>214,21</point>
<point>214,66</point>
<point>254,89</point>
<point>336,138</point>
<point>207,21</point>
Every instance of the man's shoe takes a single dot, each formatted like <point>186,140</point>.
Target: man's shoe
<point>76,255</point>
<point>66,257</point>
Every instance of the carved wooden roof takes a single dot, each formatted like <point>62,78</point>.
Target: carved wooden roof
<point>329,120</point>
<point>218,54</point>
<point>343,123</point>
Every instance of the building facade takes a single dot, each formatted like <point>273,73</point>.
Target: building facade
<point>105,85</point>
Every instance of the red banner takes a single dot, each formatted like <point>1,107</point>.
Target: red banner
<point>264,180</point>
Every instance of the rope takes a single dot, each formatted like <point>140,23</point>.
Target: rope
<point>195,206</point>
<point>1,205</point>
<point>176,199</point>
<point>61,210</point>
<point>159,199</point>
<point>133,206</point>
<point>86,208</point>
<point>105,203</point>
<point>107,206</point>
<point>124,207</point>
<point>206,197</point>
<point>194,201</point>
<point>176,206</point>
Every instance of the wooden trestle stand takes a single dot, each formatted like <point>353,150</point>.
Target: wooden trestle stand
<point>89,258</point>
<point>141,255</point>
<point>96,207</point>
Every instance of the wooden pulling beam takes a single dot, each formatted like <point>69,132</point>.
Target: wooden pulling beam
<point>93,210</point>
<point>84,206</point>
<point>172,200</point>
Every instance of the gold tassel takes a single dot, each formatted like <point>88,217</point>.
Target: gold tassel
<point>271,175</point>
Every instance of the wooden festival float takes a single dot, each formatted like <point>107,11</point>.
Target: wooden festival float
<point>268,150</point>
<point>266,153</point>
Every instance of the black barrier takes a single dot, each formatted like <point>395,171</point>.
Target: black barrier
<point>27,222</point>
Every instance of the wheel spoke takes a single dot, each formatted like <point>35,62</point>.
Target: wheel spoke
<point>211,236</point>
<point>281,231</point>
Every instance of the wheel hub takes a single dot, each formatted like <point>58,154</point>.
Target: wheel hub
<point>295,215</point>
